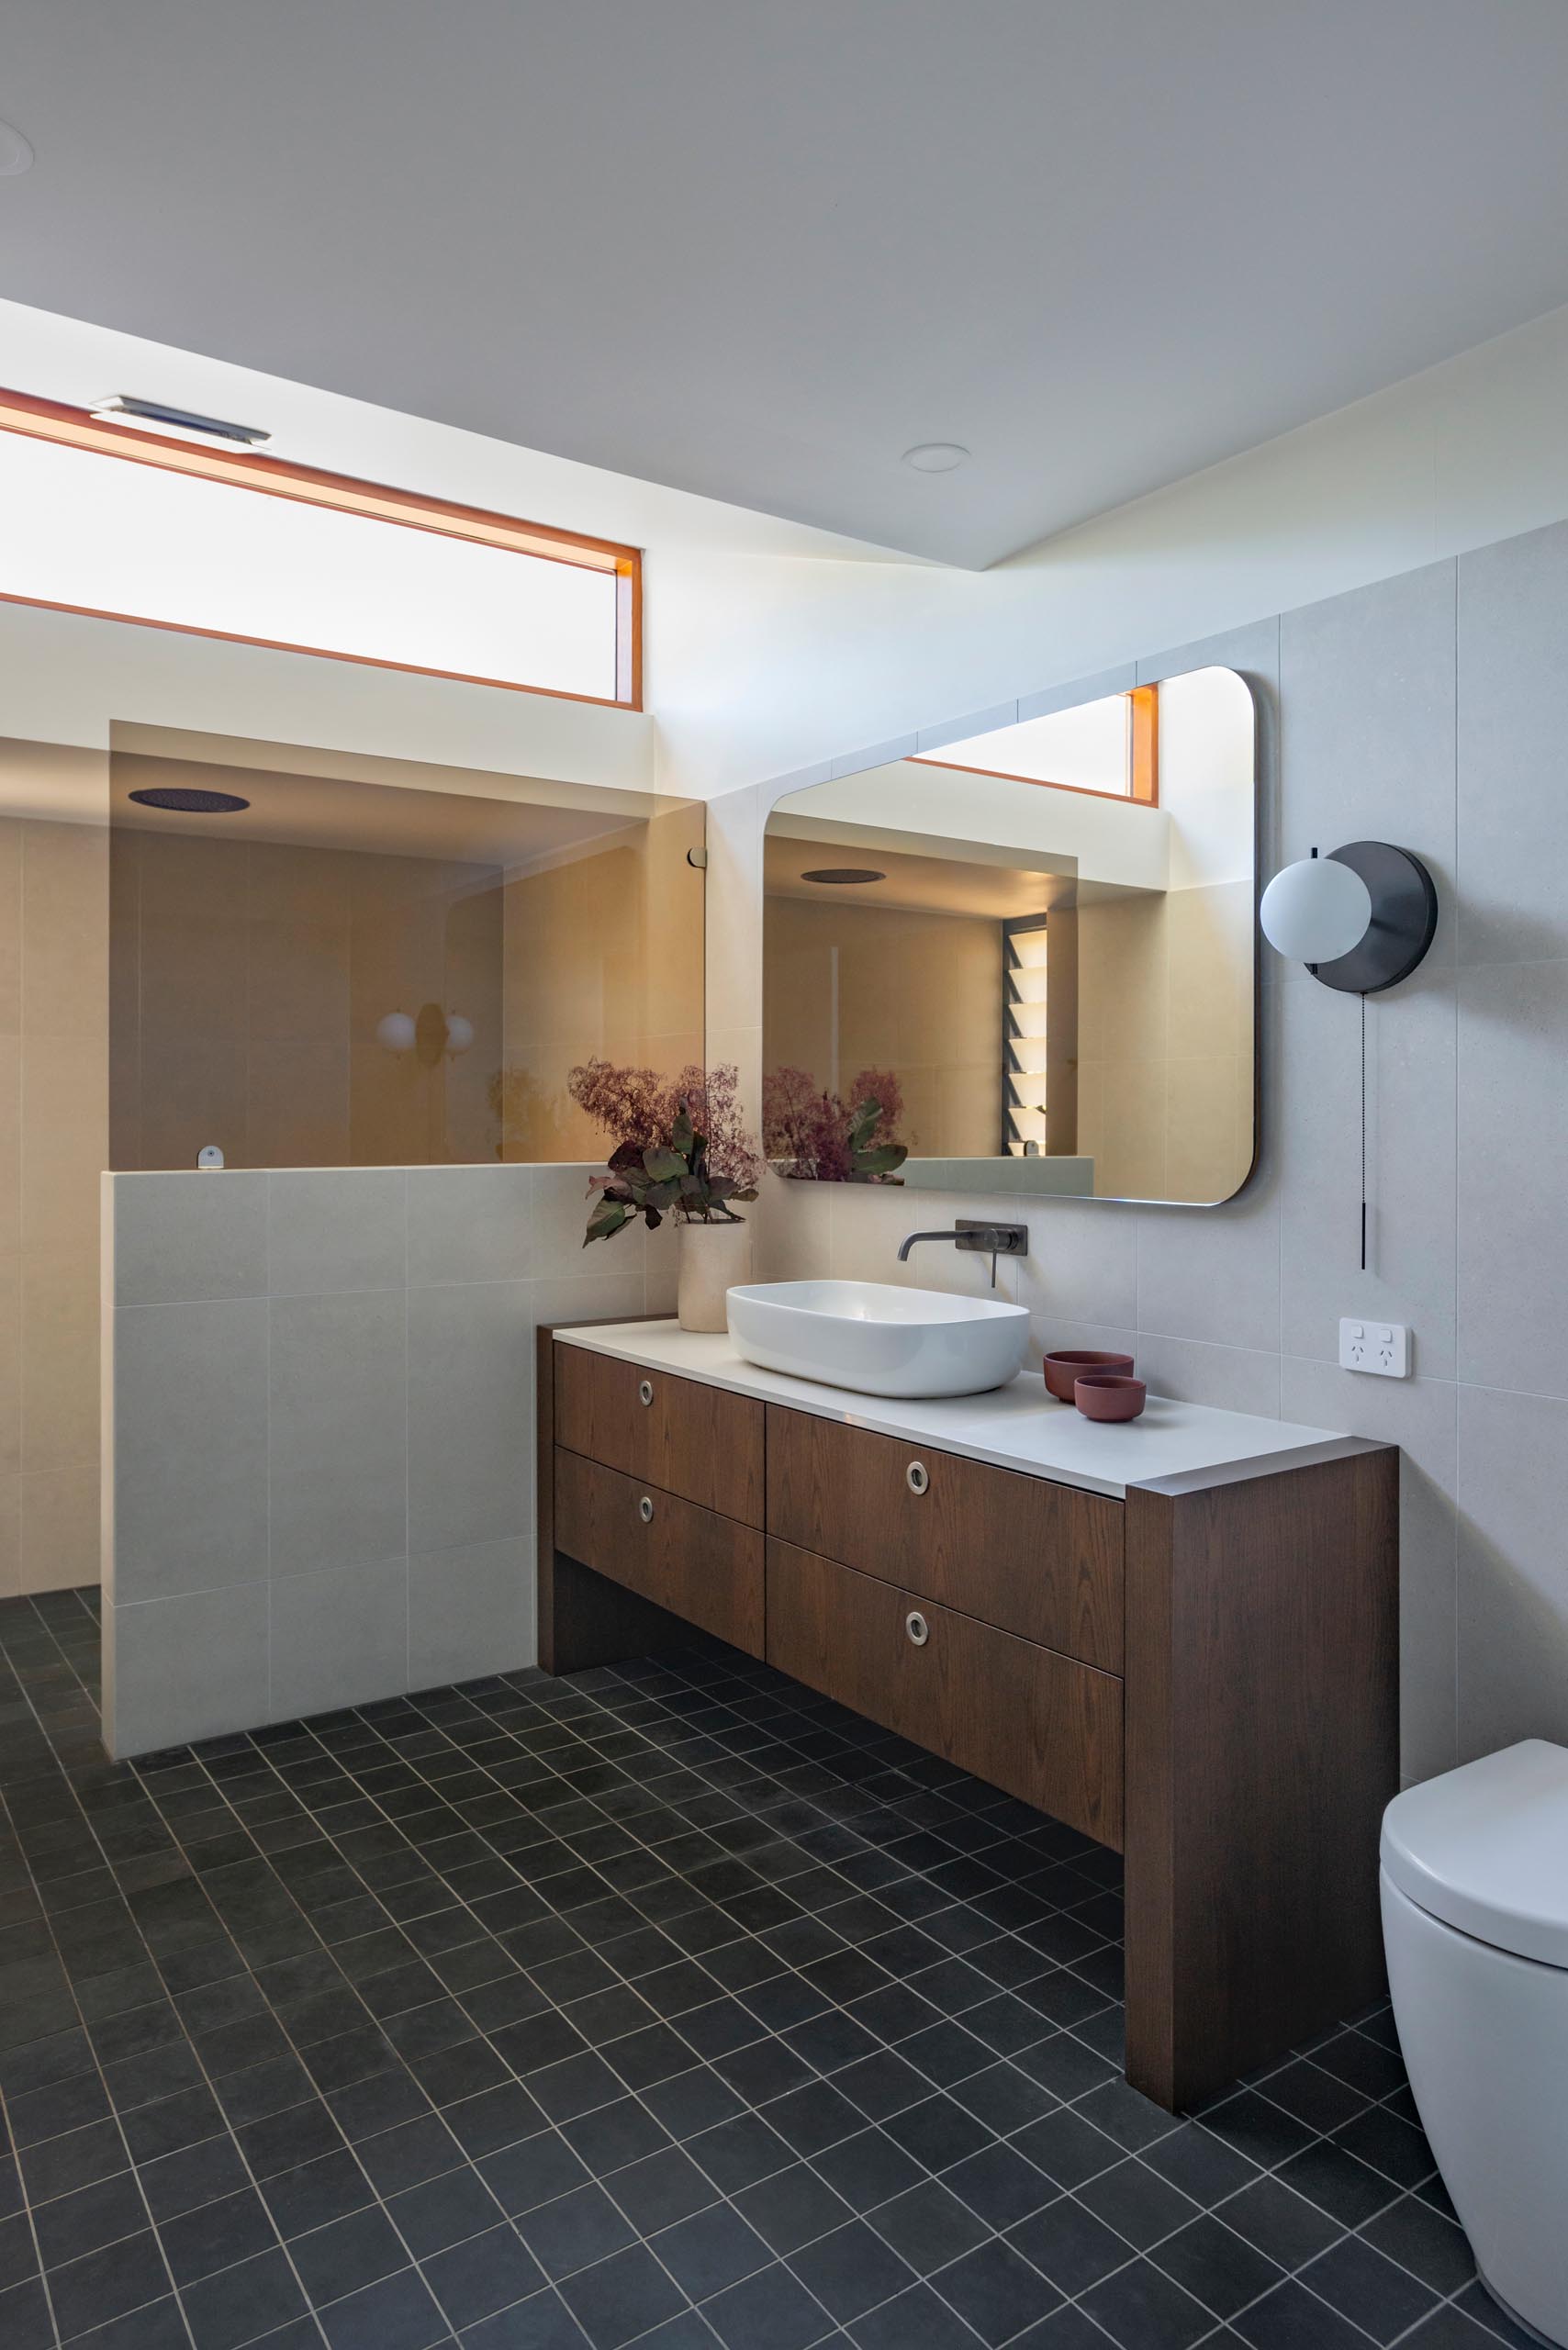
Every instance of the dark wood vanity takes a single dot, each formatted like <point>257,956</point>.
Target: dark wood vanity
<point>1200,1674</point>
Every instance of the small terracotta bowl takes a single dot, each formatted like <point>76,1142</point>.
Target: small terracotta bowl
<point>1102,1396</point>
<point>1064,1369</point>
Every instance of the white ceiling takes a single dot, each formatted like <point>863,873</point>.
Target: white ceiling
<point>756,251</point>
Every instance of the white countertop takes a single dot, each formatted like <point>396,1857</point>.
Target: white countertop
<point>1015,1426</point>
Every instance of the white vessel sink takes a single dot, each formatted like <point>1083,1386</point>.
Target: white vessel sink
<point>877,1338</point>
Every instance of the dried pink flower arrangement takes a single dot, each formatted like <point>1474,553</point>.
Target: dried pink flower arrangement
<point>680,1146</point>
<point>821,1137</point>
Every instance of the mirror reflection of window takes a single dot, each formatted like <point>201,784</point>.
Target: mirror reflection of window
<point>1042,938</point>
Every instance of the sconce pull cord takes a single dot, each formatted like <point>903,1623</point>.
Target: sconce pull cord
<point>1363,1133</point>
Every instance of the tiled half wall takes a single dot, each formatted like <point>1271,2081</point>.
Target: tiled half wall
<point>318,1430</point>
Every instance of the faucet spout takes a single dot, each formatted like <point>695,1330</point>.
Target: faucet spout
<point>992,1240</point>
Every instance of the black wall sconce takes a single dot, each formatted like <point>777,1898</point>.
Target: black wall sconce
<point>1361,919</point>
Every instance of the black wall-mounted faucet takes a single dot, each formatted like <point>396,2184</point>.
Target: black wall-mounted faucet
<point>992,1240</point>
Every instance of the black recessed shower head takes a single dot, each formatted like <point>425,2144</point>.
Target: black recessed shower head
<point>843,873</point>
<point>182,803</point>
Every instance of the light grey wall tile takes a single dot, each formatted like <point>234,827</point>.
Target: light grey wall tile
<point>1411,1061</point>
<point>470,1612</point>
<point>1083,1260</point>
<point>1231,1379</point>
<point>180,1236</point>
<point>1050,698</point>
<point>1367,726</point>
<point>339,1402</point>
<point>190,1447</point>
<point>470,1414</point>
<point>601,1297</point>
<point>560,1211</point>
<point>1420,1417</point>
<point>1213,1273</point>
<point>1046,1335</point>
<point>875,755</point>
<point>333,1228</point>
<point>339,1638</point>
<point>1513,813</point>
<point>978,721</point>
<point>1513,1149</point>
<point>1513,1569</point>
<point>186,1668</point>
<point>473,1224</point>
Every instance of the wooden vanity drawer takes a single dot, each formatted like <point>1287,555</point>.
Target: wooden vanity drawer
<point>1041,1561</point>
<point>698,1565</point>
<point>700,1442</point>
<point>1021,1717</point>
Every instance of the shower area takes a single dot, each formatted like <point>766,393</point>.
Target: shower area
<point>324,961</point>
<point>279,958</point>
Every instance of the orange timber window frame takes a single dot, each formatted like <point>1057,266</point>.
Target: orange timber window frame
<point>274,477</point>
<point>1143,758</point>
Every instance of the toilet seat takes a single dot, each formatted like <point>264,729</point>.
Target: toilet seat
<point>1484,1849</point>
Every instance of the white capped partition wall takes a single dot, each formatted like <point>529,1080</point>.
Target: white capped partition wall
<point>318,1413</point>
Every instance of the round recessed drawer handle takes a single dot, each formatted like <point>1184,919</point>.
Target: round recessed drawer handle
<point>917,1628</point>
<point>646,1392</point>
<point>917,1477</point>
<point>645,1510</point>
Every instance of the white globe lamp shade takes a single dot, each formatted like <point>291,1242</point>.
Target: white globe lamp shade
<point>396,1032</point>
<point>459,1033</point>
<point>1315,911</point>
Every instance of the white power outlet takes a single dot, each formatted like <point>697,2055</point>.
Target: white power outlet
<point>1383,1347</point>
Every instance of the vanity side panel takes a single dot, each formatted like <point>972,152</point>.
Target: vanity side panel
<point>1040,1559</point>
<point>698,1441</point>
<point>1262,1745</point>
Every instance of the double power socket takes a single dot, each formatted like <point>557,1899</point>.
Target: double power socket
<point>1382,1348</point>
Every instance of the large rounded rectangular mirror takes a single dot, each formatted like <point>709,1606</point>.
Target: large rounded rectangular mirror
<point>1028,959</point>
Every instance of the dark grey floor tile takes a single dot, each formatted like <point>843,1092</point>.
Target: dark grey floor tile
<point>238,2304</point>
<point>614,2135</point>
<point>1069,2244</point>
<point>1289,2318</point>
<point>313,2193</point>
<point>216,2234</point>
<point>710,2250</point>
<point>346,2255</point>
<point>397,2313</point>
<point>1216,2266</point>
<point>1142,2308</point>
<point>104,2284</point>
<point>914,2321</point>
<point>485,2272</point>
<point>574,2231</point>
<point>1137,2202</point>
<point>88,2219</point>
<point>999,2185</point>
<point>927,2227</point>
<point>996,2291</point>
<point>623,2297</point>
<point>771,2311</point>
<point>792,2208</point>
<point>1384,2300</point>
<point>535,2170</point>
<point>1421,2239</point>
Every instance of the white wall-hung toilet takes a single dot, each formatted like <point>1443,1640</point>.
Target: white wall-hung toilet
<point>1474,1882</point>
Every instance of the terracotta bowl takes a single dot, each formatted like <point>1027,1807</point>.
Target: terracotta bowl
<point>1102,1396</point>
<point>1064,1369</point>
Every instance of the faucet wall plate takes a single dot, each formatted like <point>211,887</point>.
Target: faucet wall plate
<point>991,1239</point>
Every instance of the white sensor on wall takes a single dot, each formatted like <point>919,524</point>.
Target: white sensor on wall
<point>1382,1348</point>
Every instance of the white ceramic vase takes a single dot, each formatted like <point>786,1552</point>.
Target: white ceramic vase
<point>713,1256</point>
